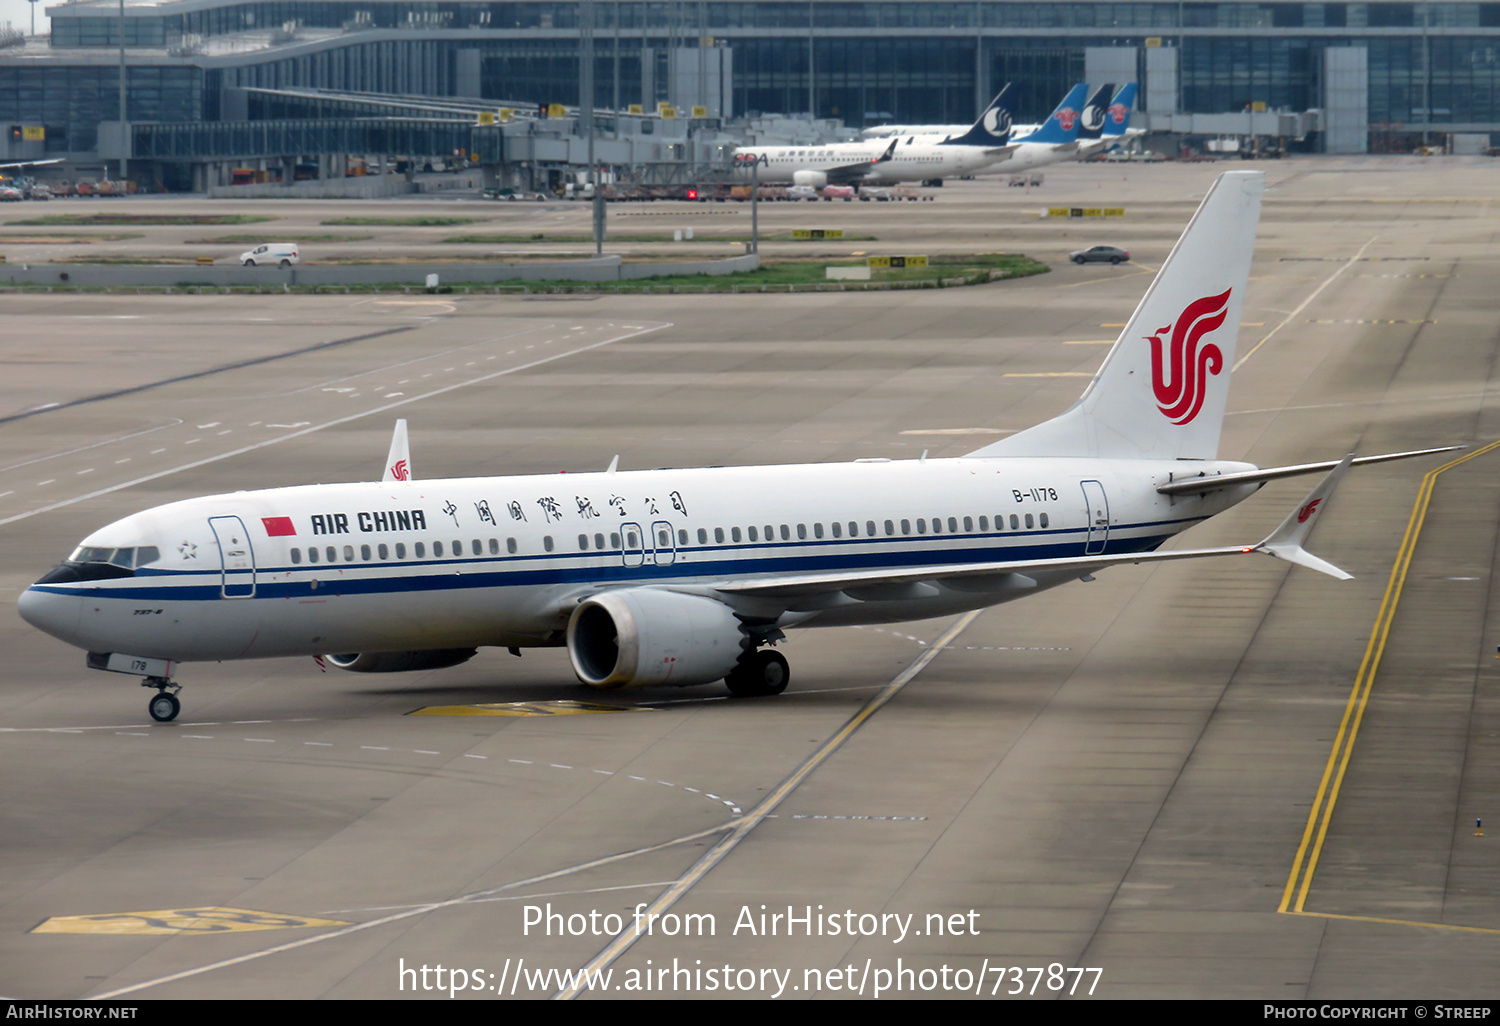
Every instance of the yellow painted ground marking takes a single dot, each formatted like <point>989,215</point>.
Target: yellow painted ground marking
<point>176,921</point>
<point>1321,814</point>
<point>1397,922</point>
<point>561,707</point>
<point>1052,374</point>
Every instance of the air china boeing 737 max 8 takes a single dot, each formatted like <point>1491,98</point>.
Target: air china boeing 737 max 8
<point>678,577</point>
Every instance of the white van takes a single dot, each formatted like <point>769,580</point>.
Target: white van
<point>282,254</point>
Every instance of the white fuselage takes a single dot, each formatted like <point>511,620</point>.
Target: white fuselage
<point>913,160</point>
<point>502,561</point>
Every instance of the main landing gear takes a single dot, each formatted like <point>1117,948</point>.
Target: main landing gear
<point>164,706</point>
<point>764,672</point>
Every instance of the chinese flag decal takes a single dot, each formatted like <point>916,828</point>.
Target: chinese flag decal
<point>278,527</point>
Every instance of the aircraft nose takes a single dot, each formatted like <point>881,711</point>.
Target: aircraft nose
<point>48,611</point>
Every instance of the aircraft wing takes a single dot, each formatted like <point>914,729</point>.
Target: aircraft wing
<point>1283,543</point>
<point>850,173</point>
<point>31,163</point>
<point>1003,152</point>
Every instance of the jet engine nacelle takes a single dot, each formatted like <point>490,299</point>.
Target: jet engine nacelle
<point>399,662</point>
<point>817,179</point>
<point>639,637</point>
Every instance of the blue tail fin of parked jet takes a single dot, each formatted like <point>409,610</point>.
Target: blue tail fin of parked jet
<point>1117,117</point>
<point>992,128</point>
<point>1062,124</point>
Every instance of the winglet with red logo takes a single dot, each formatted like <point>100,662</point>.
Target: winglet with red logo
<point>1286,541</point>
<point>398,462</point>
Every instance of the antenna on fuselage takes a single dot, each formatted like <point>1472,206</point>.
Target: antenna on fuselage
<point>398,462</point>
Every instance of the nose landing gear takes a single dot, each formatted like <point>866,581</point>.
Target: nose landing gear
<point>164,705</point>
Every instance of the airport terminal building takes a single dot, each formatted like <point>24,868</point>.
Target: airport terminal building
<point>1384,73</point>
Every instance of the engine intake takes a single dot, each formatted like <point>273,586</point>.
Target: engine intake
<point>641,637</point>
<point>400,662</point>
<point>817,179</point>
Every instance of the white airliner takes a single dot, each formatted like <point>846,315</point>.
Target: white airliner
<point>680,577</point>
<point>1054,141</point>
<point>900,160</point>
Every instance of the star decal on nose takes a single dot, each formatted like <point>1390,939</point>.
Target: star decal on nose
<point>188,550</point>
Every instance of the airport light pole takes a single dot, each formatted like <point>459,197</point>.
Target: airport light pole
<point>586,118</point>
<point>124,132</point>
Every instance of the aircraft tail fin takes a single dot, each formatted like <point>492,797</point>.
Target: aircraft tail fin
<point>1162,390</point>
<point>1062,124</point>
<point>1095,112</point>
<point>398,461</point>
<point>1117,114</point>
<point>991,129</point>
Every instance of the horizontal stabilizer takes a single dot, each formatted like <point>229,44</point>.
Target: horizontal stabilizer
<point>1208,483</point>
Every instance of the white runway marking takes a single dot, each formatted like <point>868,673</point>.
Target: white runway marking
<point>396,404</point>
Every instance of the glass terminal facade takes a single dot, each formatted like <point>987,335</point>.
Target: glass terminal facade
<point>1426,65</point>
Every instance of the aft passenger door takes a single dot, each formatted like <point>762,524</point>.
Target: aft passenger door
<point>1097,510</point>
<point>236,557</point>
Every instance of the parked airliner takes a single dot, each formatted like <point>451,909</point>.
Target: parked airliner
<point>681,577</point>
<point>900,160</point>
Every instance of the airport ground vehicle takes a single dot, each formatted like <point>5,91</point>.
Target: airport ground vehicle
<point>9,194</point>
<point>843,192</point>
<point>282,254</point>
<point>1099,255</point>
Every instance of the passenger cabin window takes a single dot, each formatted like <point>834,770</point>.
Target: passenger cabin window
<point>786,533</point>
<point>583,543</point>
<point>312,554</point>
<point>1042,519</point>
<point>296,555</point>
<point>984,523</point>
<point>906,527</point>
<point>702,536</point>
<point>663,537</point>
<point>1015,523</point>
<point>437,548</point>
<point>332,554</point>
<point>383,551</point>
<point>953,525</point>
<point>770,534</point>
<point>510,546</point>
<point>364,553</point>
<point>837,529</point>
<point>921,525</point>
<point>753,533</point>
<point>598,541</point>
<point>1028,521</point>
<point>937,525</point>
<point>890,528</point>
<point>719,535</point>
<point>817,530</point>
<point>801,530</point>
<point>734,533</point>
<point>420,549</point>
<point>400,550</point>
<point>614,540</point>
<point>494,546</point>
<point>547,542</point>
<point>682,537</point>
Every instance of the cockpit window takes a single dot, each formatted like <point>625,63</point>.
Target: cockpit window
<point>126,558</point>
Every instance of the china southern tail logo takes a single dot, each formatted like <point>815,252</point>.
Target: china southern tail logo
<point>1066,117</point>
<point>1181,385</point>
<point>1117,113</point>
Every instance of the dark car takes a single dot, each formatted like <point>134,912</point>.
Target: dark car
<point>1100,254</point>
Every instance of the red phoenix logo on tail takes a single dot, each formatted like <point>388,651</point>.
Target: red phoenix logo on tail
<point>399,471</point>
<point>1307,511</point>
<point>1181,387</point>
